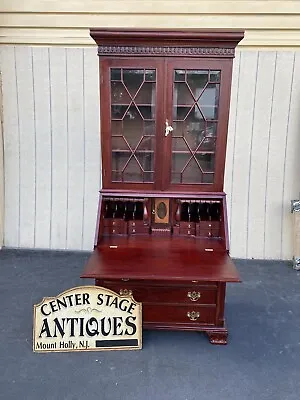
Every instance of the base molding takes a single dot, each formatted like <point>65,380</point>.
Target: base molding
<point>216,335</point>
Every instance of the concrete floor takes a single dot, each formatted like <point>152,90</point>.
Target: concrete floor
<point>261,361</point>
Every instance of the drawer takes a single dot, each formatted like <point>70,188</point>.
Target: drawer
<point>115,230</point>
<point>165,313</point>
<point>114,222</point>
<point>113,226</point>
<point>187,231</point>
<point>187,225</point>
<point>137,227</point>
<point>208,229</point>
<point>208,233</point>
<point>187,228</point>
<point>169,294</point>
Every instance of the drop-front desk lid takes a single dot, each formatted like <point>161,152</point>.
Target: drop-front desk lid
<point>160,258</point>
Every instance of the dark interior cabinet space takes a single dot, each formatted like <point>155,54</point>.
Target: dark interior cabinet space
<point>162,230</point>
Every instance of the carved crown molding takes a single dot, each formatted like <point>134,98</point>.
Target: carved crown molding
<point>165,51</point>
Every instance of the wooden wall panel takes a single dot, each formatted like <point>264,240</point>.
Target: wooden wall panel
<point>256,206</point>
<point>267,23</point>
<point>242,150</point>
<point>11,147</point>
<point>291,181</point>
<point>75,147</point>
<point>92,182</point>
<point>59,147</point>
<point>277,154</point>
<point>1,164</point>
<point>74,7</point>
<point>52,149</point>
<point>42,146</point>
<point>228,178</point>
<point>26,116</point>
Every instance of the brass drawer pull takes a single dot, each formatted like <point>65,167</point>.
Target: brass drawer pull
<point>194,296</point>
<point>193,315</point>
<point>125,292</point>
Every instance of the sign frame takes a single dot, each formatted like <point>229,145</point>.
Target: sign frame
<point>103,300</point>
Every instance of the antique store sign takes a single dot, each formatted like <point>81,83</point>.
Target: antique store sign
<point>87,318</point>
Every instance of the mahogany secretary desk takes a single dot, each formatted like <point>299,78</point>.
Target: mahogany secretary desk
<point>162,226</point>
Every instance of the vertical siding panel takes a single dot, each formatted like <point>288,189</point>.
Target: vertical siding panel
<point>275,176</point>
<point>291,183</point>
<point>42,104</point>
<point>27,145</point>
<point>59,147</point>
<point>1,160</point>
<point>75,147</point>
<point>92,146</point>
<point>241,162</point>
<point>11,148</point>
<point>231,135</point>
<point>259,151</point>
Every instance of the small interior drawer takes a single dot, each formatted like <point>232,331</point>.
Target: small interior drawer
<point>137,227</point>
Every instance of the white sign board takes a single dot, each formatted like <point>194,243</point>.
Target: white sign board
<point>87,318</point>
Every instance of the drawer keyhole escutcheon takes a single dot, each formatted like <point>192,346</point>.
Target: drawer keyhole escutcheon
<point>194,296</point>
<point>125,292</point>
<point>193,315</point>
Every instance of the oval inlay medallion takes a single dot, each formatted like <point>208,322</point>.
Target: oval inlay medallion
<point>161,210</point>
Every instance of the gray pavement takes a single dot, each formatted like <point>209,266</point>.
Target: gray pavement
<point>261,361</point>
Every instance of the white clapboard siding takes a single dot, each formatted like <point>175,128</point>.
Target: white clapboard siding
<point>27,134</point>
<point>256,206</point>
<point>52,149</point>
<point>75,147</point>
<point>92,182</point>
<point>291,182</point>
<point>59,147</point>
<point>1,166</point>
<point>232,134</point>
<point>277,154</point>
<point>11,146</point>
<point>242,155</point>
<point>42,146</point>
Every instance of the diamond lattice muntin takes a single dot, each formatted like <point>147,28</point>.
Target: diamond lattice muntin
<point>195,118</point>
<point>133,95</point>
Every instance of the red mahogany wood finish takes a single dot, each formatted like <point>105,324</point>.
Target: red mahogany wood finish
<point>162,230</point>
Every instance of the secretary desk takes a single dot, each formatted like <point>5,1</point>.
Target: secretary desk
<point>162,232</point>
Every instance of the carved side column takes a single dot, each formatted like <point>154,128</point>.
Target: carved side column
<point>296,234</point>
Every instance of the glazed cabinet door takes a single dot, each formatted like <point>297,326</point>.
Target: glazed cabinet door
<point>132,109</point>
<point>197,111</point>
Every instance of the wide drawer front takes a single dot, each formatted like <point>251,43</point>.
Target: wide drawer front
<point>165,313</point>
<point>167,294</point>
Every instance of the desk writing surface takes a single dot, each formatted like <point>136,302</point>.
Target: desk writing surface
<point>159,259</point>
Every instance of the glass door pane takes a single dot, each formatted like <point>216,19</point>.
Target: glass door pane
<point>133,126</point>
<point>195,120</point>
